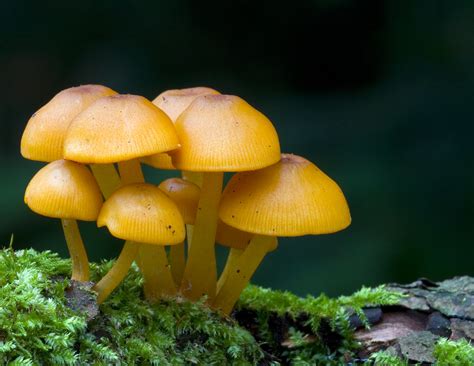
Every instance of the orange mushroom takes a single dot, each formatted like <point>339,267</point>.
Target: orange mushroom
<point>290,198</point>
<point>121,129</point>
<point>67,191</point>
<point>218,133</point>
<point>147,219</point>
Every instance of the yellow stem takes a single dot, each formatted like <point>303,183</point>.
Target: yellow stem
<point>77,252</point>
<point>156,272</point>
<point>200,275</point>
<point>240,273</point>
<point>131,171</point>
<point>107,178</point>
<point>177,262</point>
<point>118,271</point>
<point>234,254</point>
<point>196,178</point>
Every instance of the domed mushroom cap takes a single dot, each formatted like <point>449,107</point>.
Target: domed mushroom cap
<point>185,195</point>
<point>64,189</point>
<point>142,213</point>
<point>224,133</point>
<point>231,237</point>
<point>290,198</point>
<point>173,102</point>
<point>119,128</point>
<point>44,135</point>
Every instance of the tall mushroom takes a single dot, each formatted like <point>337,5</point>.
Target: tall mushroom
<point>186,197</point>
<point>121,129</point>
<point>147,219</point>
<point>218,133</point>
<point>67,191</point>
<point>290,198</point>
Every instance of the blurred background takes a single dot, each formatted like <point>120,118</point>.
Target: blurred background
<point>379,94</point>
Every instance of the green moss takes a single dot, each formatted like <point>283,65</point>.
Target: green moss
<point>37,326</point>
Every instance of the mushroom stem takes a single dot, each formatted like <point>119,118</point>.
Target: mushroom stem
<point>118,271</point>
<point>240,273</point>
<point>196,178</point>
<point>107,178</point>
<point>234,254</point>
<point>200,273</point>
<point>80,263</point>
<point>131,171</point>
<point>177,262</point>
<point>152,258</point>
<point>156,271</point>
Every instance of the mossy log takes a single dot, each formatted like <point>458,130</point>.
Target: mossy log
<point>47,319</point>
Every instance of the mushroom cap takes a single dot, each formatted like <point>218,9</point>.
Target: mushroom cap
<point>159,161</point>
<point>231,237</point>
<point>143,213</point>
<point>44,134</point>
<point>173,103</point>
<point>290,198</point>
<point>185,195</point>
<point>119,128</point>
<point>64,189</point>
<point>223,133</point>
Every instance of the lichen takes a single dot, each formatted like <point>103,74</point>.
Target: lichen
<point>38,327</point>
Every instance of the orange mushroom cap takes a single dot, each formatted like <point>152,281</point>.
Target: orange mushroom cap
<point>64,189</point>
<point>119,128</point>
<point>44,135</point>
<point>185,195</point>
<point>173,103</point>
<point>290,198</point>
<point>142,213</point>
<point>220,133</point>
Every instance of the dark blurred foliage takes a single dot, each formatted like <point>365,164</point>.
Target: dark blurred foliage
<point>379,94</point>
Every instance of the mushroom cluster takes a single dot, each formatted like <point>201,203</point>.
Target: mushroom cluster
<point>95,140</point>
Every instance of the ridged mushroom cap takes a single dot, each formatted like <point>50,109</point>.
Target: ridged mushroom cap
<point>223,133</point>
<point>290,198</point>
<point>43,138</point>
<point>185,195</point>
<point>173,103</point>
<point>231,237</point>
<point>119,128</point>
<point>64,189</point>
<point>143,213</point>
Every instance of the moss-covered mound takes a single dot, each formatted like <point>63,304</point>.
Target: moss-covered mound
<point>45,319</point>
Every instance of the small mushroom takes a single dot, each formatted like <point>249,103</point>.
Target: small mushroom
<point>290,198</point>
<point>186,197</point>
<point>145,217</point>
<point>67,191</point>
<point>218,133</point>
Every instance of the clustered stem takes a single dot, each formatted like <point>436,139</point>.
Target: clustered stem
<point>77,252</point>
<point>200,274</point>
<point>241,271</point>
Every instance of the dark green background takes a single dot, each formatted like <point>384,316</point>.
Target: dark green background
<point>379,94</point>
